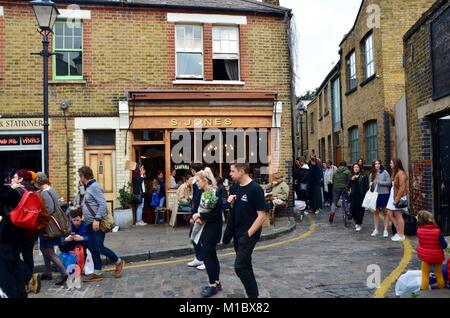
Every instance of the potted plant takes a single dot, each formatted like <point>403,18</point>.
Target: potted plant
<point>123,217</point>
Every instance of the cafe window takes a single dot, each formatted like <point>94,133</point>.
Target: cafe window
<point>68,49</point>
<point>149,135</point>
<point>189,51</point>
<point>100,138</point>
<point>226,53</point>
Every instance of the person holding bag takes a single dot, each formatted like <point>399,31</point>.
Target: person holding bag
<point>46,244</point>
<point>381,183</point>
<point>359,185</point>
<point>95,213</point>
<point>139,192</point>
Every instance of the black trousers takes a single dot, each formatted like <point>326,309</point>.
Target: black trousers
<point>357,210</point>
<point>243,264</point>
<point>209,251</point>
<point>27,254</point>
<point>12,277</point>
<point>328,196</point>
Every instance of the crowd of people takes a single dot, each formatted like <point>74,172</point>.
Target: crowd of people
<point>322,184</point>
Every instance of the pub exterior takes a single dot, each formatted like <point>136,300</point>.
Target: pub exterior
<point>136,74</point>
<point>427,67</point>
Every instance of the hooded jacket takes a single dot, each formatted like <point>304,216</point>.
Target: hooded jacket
<point>341,179</point>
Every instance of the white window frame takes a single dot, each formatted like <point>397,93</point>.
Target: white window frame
<point>351,68</point>
<point>229,56</point>
<point>185,76</point>
<point>369,56</point>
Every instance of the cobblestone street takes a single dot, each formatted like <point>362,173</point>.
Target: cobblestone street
<point>317,260</point>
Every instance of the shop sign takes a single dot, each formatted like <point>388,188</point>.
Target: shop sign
<point>21,123</point>
<point>25,140</point>
<point>202,122</point>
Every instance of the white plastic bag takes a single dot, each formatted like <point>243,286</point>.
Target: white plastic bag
<point>88,264</point>
<point>370,201</point>
<point>74,280</point>
<point>408,284</point>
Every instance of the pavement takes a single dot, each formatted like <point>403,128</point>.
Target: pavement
<point>152,242</point>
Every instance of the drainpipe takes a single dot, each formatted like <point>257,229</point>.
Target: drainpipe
<point>387,137</point>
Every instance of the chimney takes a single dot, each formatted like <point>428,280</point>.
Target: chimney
<point>273,2</point>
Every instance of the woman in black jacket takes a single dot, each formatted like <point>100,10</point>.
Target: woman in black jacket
<point>359,185</point>
<point>211,235</point>
<point>12,268</point>
<point>139,191</point>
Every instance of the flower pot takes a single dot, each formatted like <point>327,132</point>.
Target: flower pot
<point>123,218</point>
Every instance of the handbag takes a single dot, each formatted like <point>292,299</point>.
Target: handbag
<point>155,198</point>
<point>402,204</point>
<point>58,224</point>
<point>370,200</point>
<point>107,222</point>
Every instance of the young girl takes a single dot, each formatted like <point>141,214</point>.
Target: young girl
<point>430,249</point>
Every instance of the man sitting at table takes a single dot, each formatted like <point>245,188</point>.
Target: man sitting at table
<point>279,190</point>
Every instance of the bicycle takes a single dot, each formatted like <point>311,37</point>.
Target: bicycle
<point>345,207</point>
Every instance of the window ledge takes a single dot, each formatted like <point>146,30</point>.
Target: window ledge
<point>81,82</point>
<point>366,81</point>
<point>351,91</point>
<point>201,82</point>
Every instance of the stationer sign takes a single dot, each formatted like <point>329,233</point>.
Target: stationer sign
<point>21,124</point>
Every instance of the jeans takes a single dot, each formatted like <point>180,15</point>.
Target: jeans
<point>139,211</point>
<point>95,245</point>
<point>336,197</point>
<point>243,264</point>
<point>27,255</point>
<point>159,215</point>
<point>211,261</point>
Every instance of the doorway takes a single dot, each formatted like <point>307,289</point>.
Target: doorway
<point>102,165</point>
<point>153,159</point>
<point>442,172</point>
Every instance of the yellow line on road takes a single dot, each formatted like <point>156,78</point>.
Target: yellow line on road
<point>308,233</point>
<point>389,281</point>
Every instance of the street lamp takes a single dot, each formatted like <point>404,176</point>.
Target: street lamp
<point>301,109</point>
<point>46,14</point>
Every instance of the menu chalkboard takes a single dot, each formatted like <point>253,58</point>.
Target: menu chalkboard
<point>440,54</point>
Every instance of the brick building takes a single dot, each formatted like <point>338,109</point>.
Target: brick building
<point>134,72</point>
<point>427,68</point>
<point>371,82</point>
<point>322,121</point>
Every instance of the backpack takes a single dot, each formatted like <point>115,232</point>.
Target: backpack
<point>26,214</point>
<point>43,217</point>
<point>155,198</point>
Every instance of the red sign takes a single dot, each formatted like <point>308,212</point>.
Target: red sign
<point>9,140</point>
<point>31,140</point>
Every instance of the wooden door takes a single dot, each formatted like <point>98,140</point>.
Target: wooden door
<point>102,164</point>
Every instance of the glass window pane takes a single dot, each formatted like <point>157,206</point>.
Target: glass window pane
<point>189,64</point>
<point>77,30</point>
<point>77,43</point>
<point>59,44</point>
<point>233,47</point>
<point>100,138</point>
<point>198,32</point>
<point>62,61</point>
<point>59,28</point>
<point>68,29</point>
<point>76,64</point>
<point>216,34</point>
<point>189,32</point>
<point>198,45</point>
<point>216,47</point>
<point>68,42</point>
<point>225,45</point>
<point>149,135</point>
<point>233,34</point>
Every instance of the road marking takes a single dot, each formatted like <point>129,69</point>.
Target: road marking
<point>389,281</point>
<point>308,233</point>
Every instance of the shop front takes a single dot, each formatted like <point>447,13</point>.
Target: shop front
<point>172,130</point>
<point>21,144</point>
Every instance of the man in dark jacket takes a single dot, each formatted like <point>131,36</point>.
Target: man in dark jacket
<point>12,268</point>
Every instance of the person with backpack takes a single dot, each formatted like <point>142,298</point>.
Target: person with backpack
<point>430,249</point>
<point>12,268</point>
<point>359,185</point>
<point>341,178</point>
<point>94,210</point>
<point>47,245</point>
<point>21,182</point>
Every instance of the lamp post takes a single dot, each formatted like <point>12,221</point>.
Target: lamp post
<point>46,14</point>
<point>301,108</point>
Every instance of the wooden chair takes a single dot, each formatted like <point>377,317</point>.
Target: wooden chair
<point>273,212</point>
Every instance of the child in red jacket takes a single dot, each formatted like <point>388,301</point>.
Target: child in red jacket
<point>430,249</point>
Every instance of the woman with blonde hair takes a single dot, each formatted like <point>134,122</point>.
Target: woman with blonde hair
<point>208,229</point>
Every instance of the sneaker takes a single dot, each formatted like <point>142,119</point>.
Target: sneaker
<point>358,228</point>
<point>306,213</point>
<point>201,267</point>
<point>331,218</point>
<point>93,278</point>
<point>119,268</point>
<point>398,238</point>
<point>385,234</point>
<point>62,281</point>
<point>209,291</point>
<point>375,233</point>
<point>218,286</point>
<point>115,229</point>
<point>195,263</point>
<point>35,284</point>
<point>317,212</point>
<point>142,223</point>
